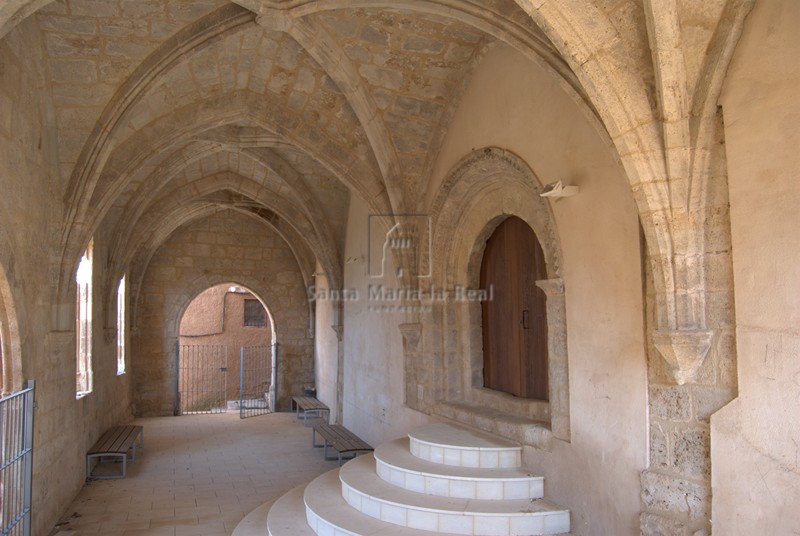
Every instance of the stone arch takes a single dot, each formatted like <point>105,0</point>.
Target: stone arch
<point>485,188</point>
<point>166,130</point>
<point>272,335</point>
<point>265,294</point>
<point>167,284</point>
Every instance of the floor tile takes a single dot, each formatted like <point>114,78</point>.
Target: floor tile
<point>198,475</point>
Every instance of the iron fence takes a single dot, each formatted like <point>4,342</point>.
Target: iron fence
<point>202,378</point>
<point>255,380</point>
<point>16,462</point>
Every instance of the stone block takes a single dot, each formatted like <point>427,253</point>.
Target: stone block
<point>691,452</point>
<point>95,8</point>
<point>73,25</point>
<point>425,45</point>
<point>656,525</point>
<point>659,448</point>
<point>707,400</point>
<point>138,9</point>
<point>665,493</point>
<point>381,77</point>
<point>671,403</point>
<point>68,45</point>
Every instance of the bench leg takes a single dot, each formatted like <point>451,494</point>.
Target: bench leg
<point>315,414</point>
<point>120,457</point>
<point>314,439</point>
<point>329,458</point>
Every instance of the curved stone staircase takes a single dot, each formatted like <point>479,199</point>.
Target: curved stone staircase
<point>442,479</point>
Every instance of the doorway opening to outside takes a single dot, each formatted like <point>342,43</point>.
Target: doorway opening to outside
<point>226,353</point>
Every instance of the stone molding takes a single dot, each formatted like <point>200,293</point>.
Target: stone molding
<point>558,357</point>
<point>684,351</point>
<point>484,188</point>
<point>339,330</point>
<point>411,333</point>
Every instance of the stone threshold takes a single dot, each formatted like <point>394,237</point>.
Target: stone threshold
<point>525,431</point>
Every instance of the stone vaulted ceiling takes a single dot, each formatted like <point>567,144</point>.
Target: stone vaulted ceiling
<point>169,110</point>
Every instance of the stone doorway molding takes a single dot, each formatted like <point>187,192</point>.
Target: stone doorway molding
<point>444,354</point>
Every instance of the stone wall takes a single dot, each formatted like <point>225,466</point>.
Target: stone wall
<point>39,316</point>
<point>226,247</point>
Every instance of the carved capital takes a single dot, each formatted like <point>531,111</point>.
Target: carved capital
<point>411,334</point>
<point>551,287</point>
<point>684,351</point>
<point>339,332</point>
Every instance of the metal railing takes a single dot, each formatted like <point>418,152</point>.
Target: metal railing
<point>202,378</point>
<point>255,380</point>
<point>16,462</point>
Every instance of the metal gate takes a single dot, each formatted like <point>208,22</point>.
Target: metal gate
<point>255,380</point>
<point>202,379</point>
<point>16,462</point>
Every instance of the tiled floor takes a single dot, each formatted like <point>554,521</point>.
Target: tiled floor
<point>198,475</point>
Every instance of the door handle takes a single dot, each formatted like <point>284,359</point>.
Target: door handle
<point>525,323</point>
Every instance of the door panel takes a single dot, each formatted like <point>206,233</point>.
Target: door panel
<point>515,322</point>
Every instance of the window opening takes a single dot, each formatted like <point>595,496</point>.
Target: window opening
<point>255,316</point>
<point>83,279</point>
<point>121,327</point>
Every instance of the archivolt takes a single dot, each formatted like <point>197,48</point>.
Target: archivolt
<point>456,226</point>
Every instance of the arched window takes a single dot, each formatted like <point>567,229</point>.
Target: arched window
<point>83,329</point>
<point>515,320</point>
<point>121,297</point>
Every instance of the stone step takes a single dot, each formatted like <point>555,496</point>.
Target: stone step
<point>328,514</point>
<point>395,464</point>
<point>365,491</point>
<point>253,523</point>
<point>287,517</point>
<point>450,444</point>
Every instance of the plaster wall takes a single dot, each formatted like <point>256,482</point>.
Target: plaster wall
<point>227,247</point>
<point>755,471</point>
<point>374,384</point>
<point>326,345</point>
<point>514,104</point>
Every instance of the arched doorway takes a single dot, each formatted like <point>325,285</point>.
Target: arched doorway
<point>515,356</point>
<point>226,353</point>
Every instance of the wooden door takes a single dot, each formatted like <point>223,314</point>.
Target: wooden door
<point>515,321</point>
